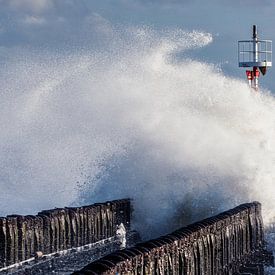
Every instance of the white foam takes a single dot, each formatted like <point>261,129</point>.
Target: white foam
<point>133,120</point>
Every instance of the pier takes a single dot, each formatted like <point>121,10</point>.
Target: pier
<point>229,243</point>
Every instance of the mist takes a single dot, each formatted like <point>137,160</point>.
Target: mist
<point>133,116</point>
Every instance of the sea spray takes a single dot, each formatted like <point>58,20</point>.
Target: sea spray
<point>134,118</point>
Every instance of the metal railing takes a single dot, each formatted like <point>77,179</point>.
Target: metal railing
<point>246,53</point>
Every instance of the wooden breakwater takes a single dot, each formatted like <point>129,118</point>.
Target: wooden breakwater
<point>21,237</point>
<point>223,244</point>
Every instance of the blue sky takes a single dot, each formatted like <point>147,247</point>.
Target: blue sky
<point>53,24</point>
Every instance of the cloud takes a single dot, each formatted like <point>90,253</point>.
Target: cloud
<point>34,20</point>
<point>34,6</point>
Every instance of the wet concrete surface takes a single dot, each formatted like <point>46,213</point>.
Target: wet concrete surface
<point>66,262</point>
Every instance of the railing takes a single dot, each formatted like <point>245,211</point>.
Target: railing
<point>217,245</point>
<point>21,237</point>
<point>246,53</point>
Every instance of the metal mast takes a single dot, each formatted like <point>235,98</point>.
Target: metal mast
<point>256,54</point>
<point>255,58</point>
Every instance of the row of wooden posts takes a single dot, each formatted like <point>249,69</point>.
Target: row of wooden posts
<point>216,245</point>
<point>21,237</point>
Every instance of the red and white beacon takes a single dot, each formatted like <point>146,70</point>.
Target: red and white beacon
<point>257,55</point>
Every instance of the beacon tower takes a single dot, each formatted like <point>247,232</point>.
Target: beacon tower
<point>256,55</point>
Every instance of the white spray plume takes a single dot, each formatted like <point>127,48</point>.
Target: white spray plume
<point>132,120</point>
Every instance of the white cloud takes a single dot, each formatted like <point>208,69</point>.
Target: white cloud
<point>34,20</point>
<point>99,23</point>
<point>35,6</point>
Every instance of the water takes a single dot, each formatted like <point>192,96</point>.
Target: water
<point>133,116</point>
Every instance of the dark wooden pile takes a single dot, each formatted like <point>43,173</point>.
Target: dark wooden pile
<point>50,231</point>
<point>229,243</point>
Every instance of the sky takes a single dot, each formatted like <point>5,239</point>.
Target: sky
<point>61,24</point>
